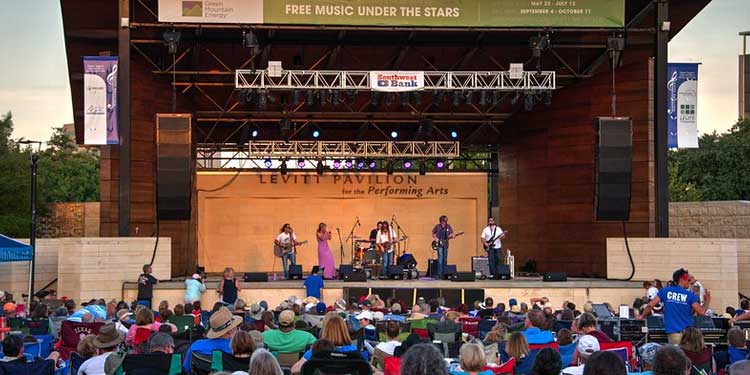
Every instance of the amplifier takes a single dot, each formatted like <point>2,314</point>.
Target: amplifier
<point>480,264</point>
<point>624,329</point>
<point>411,274</point>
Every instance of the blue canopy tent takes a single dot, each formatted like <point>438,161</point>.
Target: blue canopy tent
<point>14,251</point>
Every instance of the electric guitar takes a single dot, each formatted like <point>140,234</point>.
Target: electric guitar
<point>492,239</point>
<point>281,250</point>
<point>441,243</point>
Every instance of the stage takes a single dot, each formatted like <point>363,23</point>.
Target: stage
<point>577,290</point>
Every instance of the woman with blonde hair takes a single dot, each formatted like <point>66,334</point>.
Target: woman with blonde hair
<point>695,349</point>
<point>263,362</point>
<point>494,343</point>
<point>336,331</point>
<point>517,347</point>
<point>472,360</point>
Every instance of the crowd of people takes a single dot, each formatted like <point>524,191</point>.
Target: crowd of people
<point>429,338</point>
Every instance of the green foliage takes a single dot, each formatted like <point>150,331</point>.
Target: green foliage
<point>64,175</point>
<point>718,170</point>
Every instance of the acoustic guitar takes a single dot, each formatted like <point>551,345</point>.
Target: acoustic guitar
<point>380,247</point>
<point>281,250</point>
<point>440,243</point>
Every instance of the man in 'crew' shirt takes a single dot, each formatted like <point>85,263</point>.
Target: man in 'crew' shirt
<point>679,305</point>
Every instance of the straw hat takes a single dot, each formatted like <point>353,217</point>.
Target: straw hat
<point>221,322</point>
<point>108,337</point>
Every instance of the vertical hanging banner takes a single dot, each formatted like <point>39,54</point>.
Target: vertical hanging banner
<point>100,100</point>
<point>682,108</point>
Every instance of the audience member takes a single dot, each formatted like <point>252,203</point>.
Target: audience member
<point>737,346</point>
<point>423,359</point>
<point>267,318</point>
<point>222,326</point>
<point>740,368</point>
<point>161,343</point>
<point>695,349</point>
<point>86,348</point>
<point>534,334</point>
<point>604,363</point>
<point>286,339</point>
<point>106,342</point>
<point>13,350</point>
<point>744,307</point>
<point>144,318</point>
<point>670,360</point>
<point>518,348</point>
<point>194,287</point>
<point>566,346</point>
<point>262,362</point>
<point>547,362</point>
<point>335,331</point>
<point>472,360</point>
<point>486,309</point>
<point>242,344</point>
<point>587,326</point>
<point>587,346</point>
<point>411,340</point>
<point>392,332</point>
<point>647,352</point>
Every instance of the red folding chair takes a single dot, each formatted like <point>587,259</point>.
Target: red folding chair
<point>505,368</point>
<point>392,366</point>
<point>627,345</point>
<point>71,333</point>
<point>470,326</point>
<point>552,345</point>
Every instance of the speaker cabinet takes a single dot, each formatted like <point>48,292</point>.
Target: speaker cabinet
<point>480,264</point>
<point>462,276</point>
<point>503,272</point>
<point>295,272</point>
<point>555,276</point>
<point>250,277</point>
<point>345,269</point>
<point>355,276</point>
<point>408,261</point>
<point>174,166</point>
<point>449,270</point>
<point>614,160</point>
<point>396,272</point>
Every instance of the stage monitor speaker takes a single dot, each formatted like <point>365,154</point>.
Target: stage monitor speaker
<point>408,261</point>
<point>449,270</point>
<point>345,269</point>
<point>480,264</point>
<point>555,276</point>
<point>396,272</point>
<point>355,276</point>
<point>251,277</point>
<point>462,276</point>
<point>503,272</point>
<point>614,160</point>
<point>295,272</point>
<point>174,166</point>
<point>471,295</point>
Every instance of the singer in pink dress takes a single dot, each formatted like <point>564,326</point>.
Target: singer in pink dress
<point>325,257</point>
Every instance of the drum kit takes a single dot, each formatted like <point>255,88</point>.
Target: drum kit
<point>364,251</point>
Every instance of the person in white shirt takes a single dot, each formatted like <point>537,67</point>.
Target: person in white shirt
<point>490,237</point>
<point>105,342</point>
<point>385,241</point>
<point>392,330</point>
<point>287,240</point>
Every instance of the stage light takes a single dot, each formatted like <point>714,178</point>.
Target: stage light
<point>407,164</point>
<point>422,169</point>
<point>262,100</point>
<point>316,133</point>
<point>389,168</point>
<point>372,164</point>
<point>394,134</point>
<point>348,164</point>
<point>172,40</point>
<point>336,164</point>
<point>454,134</point>
<point>319,168</point>
<point>440,164</point>
<point>360,164</point>
<point>268,163</point>
<point>283,167</point>
<point>300,163</point>
<point>255,133</point>
<point>249,40</point>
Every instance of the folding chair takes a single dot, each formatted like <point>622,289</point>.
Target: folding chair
<point>221,361</point>
<point>336,363</point>
<point>200,364</point>
<point>151,364</point>
<point>71,333</point>
<point>288,359</point>
<point>40,367</point>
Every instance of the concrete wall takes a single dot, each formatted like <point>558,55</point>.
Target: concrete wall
<point>722,265</point>
<point>725,219</point>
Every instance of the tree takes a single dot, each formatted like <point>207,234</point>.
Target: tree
<point>718,170</point>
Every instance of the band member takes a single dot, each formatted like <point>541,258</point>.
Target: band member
<point>442,233</point>
<point>385,241</point>
<point>374,235</point>
<point>325,257</point>
<point>490,237</point>
<point>288,240</point>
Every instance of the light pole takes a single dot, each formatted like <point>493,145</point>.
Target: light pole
<point>34,158</point>
<point>743,76</point>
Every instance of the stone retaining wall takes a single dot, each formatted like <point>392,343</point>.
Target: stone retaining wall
<point>722,219</point>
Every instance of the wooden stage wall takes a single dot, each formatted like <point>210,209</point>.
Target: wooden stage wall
<point>237,225</point>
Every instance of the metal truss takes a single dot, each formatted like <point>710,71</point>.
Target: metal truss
<point>360,80</point>
<point>366,149</point>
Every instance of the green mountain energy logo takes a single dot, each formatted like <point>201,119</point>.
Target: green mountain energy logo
<point>192,9</point>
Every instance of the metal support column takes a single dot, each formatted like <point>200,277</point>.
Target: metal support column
<point>661,130</point>
<point>123,119</point>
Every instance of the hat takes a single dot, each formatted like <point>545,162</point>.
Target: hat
<point>310,307</point>
<point>256,311</point>
<point>286,318</point>
<point>341,304</point>
<point>396,307</point>
<point>9,307</point>
<point>310,300</point>
<point>240,304</point>
<point>285,305</point>
<point>421,300</point>
<point>648,352</point>
<point>298,302</point>
<point>512,302</point>
<point>196,276</point>
<point>365,315</point>
<point>108,336</point>
<point>588,345</point>
<point>264,305</point>
<point>291,299</point>
<point>515,309</point>
<point>378,315</point>
<point>123,313</point>
<point>221,322</point>
<point>320,308</point>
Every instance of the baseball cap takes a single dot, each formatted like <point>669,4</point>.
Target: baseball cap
<point>512,302</point>
<point>588,345</point>
<point>286,318</point>
<point>378,315</point>
<point>648,352</point>
<point>9,307</point>
<point>365,315</point>
<point>320,308</point>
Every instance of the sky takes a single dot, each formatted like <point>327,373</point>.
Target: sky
<point>34,77</point>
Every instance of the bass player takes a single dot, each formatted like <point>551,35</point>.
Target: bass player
<point>490,237</point>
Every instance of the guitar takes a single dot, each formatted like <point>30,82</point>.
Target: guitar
<point>492,240</point>
<point>281,250</point>
<point>441,243</point>
<point>381,247</point>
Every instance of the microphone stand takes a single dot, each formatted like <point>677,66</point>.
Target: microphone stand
<point>350,236</point>
<point>399,233</point>
<point>341,246</point>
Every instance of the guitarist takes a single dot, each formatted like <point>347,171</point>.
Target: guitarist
<point>490,237</point>
<point>287,241</point>
<point>442,233</point>
<point>384,243</point>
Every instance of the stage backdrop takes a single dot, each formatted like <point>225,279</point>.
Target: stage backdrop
<point>237,225</point>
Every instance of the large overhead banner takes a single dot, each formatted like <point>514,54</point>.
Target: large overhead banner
<point>100,100</point>
<point>682,109</point>
<point>430,13</point>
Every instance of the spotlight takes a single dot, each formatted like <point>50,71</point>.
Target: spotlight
<point>454,134</point>
<point>394,134</point>
<point>407,164</point>
<point>300,163</point>
<point>255,133</point>
<point>348,164</point>
<point>389,168</point>
<point>422,169</point>
<point>440,164</point>
<point>268,163</point>
<point>360,164</point>
<point>283,167</point>
<point>336,164</point>
<point>172,40</point>
<point>316,133</point>
<point>249,40</point>
<point>372,164</point>
<point>319,167</point>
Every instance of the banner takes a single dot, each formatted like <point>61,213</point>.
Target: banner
<point>430,13</point>
<point>682,91</point>
<point>395,81</point>
<point>100,100</point>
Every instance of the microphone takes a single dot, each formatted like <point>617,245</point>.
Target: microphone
<point>358,223</point>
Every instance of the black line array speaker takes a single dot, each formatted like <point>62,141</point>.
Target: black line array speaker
<point>174,166</point>
<point>614,160</point>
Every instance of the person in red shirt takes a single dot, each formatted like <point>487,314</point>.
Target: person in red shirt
<point>587,326</point>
